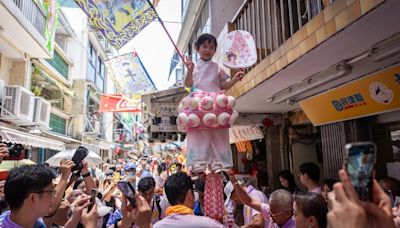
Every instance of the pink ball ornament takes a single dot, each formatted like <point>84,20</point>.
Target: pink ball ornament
<point>231,102</point>
<point>194,103</point>
<point>182,120</point>
<point>210,119</point>
<point>234,117</point>
<point>222,101</point>
<point>185,102</point>
<point>193,120</point>
<point>180,107</point>
<point>206,103</point>
<point>223,119</point>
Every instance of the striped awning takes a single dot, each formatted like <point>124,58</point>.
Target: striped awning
<point>244,133</point>
<point>19,137</point>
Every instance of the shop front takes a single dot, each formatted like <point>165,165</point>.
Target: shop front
<point>367,109</point>
<point>35,147</point>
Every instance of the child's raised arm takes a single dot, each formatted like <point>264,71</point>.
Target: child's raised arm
<point>230,82</point>
<point>189,75</point>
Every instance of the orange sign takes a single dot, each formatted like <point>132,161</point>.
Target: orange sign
<point>370,95</point>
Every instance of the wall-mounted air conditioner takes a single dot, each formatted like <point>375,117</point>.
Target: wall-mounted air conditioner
<point>17,105</point>
<point>42,112</point>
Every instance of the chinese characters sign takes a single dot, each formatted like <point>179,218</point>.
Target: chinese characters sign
<point>370,95</point>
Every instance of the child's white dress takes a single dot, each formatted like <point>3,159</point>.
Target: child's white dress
<point>211,145</point>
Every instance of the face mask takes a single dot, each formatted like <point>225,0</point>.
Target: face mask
<point>131,174</point>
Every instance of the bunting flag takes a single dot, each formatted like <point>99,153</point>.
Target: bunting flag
<point>116,103</point>
<point>51,8</point>
<point>119,20</point>
<point>129,75</point>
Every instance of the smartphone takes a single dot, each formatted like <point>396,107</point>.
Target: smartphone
<point>93,195</point>
<point>359,162</point>
<point>129,192</point>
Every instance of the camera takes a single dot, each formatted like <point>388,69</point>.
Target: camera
<point>78,157</point>
<point>15,151</point>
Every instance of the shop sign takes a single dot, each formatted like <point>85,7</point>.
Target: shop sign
<point>370,95</point>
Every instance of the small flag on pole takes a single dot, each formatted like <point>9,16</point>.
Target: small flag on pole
<point>119,21</point>
<point>174,62</point>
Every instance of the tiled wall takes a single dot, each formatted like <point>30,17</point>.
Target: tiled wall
<point>335,17</point>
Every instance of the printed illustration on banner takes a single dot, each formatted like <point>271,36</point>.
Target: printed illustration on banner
<point>380,93</point>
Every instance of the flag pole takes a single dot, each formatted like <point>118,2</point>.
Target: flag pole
<point>169,36</point>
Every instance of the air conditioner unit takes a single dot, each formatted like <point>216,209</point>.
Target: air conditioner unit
<point>42,112</point>
<point>17,105</point>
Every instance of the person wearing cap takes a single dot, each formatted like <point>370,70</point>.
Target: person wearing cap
<point>130,173</point>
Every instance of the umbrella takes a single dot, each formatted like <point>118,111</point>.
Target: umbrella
<point>7,165</point>
<point>92,159</point>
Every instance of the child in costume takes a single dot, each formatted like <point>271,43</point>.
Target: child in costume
<point>208,146</point>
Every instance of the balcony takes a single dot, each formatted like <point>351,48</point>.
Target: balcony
<point>272,22</point>
<point>23,25</point>
<point>300,40</point>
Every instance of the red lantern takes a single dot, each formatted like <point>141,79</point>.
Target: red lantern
<point>267,122</point>
<point>117,150</point>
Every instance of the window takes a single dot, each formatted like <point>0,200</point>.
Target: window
<point>57,123</point>
<point>58,63</point>
<point>95,69</point>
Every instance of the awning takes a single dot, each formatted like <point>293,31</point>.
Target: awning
<point>15,136</point>
<point>105,145</point>
<point>244,133</point>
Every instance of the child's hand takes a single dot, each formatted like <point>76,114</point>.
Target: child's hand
<point>189,64</point>
<point>239,75</point>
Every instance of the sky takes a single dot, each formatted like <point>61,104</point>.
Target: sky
<point>153,45</point>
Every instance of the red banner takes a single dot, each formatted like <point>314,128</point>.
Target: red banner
<point>116,103</point>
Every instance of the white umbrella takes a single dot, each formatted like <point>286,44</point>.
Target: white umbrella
<point>92,158</point>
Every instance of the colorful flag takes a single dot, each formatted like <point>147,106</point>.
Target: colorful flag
<point>119,20</point>
<point>174,62</point>
<point>51,8</point>
<point>116,103</point>
<point>129,75</point>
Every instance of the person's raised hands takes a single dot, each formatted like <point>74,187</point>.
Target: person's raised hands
<point>348,211</point>
<point>189,64</point>
<point>79,204</point>
<point>89,218</point>
<point>140,215</point>
<point>239,75</point>
<point>66,167</point>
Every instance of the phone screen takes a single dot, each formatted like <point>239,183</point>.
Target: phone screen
<point>360,167</point>
<point>93,195</point>
<point>128,191</point>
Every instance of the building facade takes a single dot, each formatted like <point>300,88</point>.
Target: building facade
<point>59,91</point>
<point>307,49</point>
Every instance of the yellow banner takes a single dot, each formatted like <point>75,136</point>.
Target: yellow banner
<point>370,95</point>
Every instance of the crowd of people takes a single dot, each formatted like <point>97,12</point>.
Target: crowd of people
<point>167,196</point>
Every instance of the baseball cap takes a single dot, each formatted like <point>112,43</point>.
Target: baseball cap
<point>130,165</point>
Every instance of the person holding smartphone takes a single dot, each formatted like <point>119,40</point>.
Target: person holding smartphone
<point>347,210</point>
